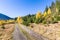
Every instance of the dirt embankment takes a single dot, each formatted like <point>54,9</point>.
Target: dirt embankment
<point>50,31</point>
<point>6,31</point>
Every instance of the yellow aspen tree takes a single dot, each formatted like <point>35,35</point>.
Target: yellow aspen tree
<point>49,11</point>
<point>56,10</point>
<point>19,19</point>
<point>38,15</point>
<point>1,22</point>
<point>45,14</point>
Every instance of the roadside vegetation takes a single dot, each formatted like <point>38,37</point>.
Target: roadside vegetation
<point>50,15</point>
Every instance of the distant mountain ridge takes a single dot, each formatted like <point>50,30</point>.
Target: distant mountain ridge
<point>4,17</point>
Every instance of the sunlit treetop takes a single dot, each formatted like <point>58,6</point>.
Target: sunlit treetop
<point>19,19</point>
<point>38,15</point>
<point>49,11</point>
<point>45,13</point>
<point>56,10</point>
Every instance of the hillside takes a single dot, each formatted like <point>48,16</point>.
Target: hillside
<point>4,17</point>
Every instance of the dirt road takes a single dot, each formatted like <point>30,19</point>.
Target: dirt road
<point>18,35</point>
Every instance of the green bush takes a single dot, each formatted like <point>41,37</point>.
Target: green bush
<point>3,27</point>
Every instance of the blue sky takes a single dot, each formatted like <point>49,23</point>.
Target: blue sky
<point>14,8</point>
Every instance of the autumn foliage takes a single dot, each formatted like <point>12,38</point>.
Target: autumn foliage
<point>38,15</point>
<point>19,20</point>
<point>50,15</point>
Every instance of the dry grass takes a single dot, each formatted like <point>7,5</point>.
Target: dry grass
<point>51,31</point>
<point>6,31</point>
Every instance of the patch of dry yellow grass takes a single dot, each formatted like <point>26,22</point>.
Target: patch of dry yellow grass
<point>6,33</point>
<point>51,31</point>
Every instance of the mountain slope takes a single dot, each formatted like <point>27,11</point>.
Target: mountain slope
<point>4,17</point>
